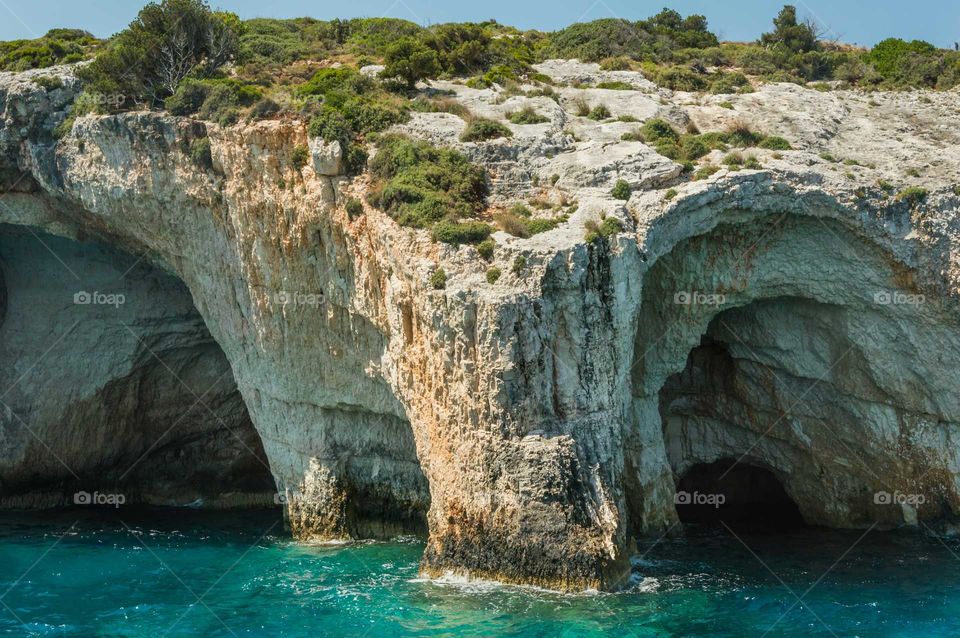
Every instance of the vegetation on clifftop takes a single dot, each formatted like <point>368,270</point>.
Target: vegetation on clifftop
<point>174,40</point>
<point>57,46</point>
<point>422,186</point>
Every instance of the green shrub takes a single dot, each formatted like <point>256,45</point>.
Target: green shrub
<point>224,100</point>
<point>581,107</point>
<point>678,78</point>
<point>659,35</point>
<point>265,107</point>
<point>188,98</point>
<point>48,82</point>
<point>789,34</point>
<point>621,190</point>
<point>599,112</point>
<point>657,130</point>
<point>740,134</point>
<point>517,221</point>
<point>893,56</point>
<point>692,147</point>
<point>354,208</point>
<point>344,80</point>
<point>615,86</point>
<point>705,172</point>
<point>729,83</point>
<point>609,227</point>
<point>734,159</point>
<point>200,153</point>
<point>482,129</point>
<point>331,126</point>
<point>527,115</point>
<point>410,61</point>
<point>486,248</point>
<point>438,279</point>
<point>885,186</point>
<point>57,46</point>
<point>615,64</point>
<point>493,274</point>
<point>913,195</point>
<point>670,194</point>
<point>775,143</point>
<point>420,185</point>
<point>519,264</point>
<point>469,232</point>
<point>299,156</point>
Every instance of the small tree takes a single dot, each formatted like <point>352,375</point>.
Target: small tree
<point>790,34</point>
<point>164,44</point>
<point>411,61</point>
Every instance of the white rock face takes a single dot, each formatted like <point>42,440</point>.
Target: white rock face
<point>799,318</point>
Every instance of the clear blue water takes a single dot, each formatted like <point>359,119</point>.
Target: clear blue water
<point>80,574</point>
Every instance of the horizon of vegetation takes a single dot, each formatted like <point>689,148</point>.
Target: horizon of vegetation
<point>189,60</point>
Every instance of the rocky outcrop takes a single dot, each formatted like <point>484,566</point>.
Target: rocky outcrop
<point>797,318</point>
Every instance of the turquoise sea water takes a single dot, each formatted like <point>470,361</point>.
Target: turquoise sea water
<point>175,573</point>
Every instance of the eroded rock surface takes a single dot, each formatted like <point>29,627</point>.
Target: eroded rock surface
<point>799,317</point>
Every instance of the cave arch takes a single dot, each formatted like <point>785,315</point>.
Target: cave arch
<point>772,339</point>
<point>147,404</point>
<point>113,384</point>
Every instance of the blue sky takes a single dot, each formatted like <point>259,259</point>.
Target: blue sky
<point>863,22</point>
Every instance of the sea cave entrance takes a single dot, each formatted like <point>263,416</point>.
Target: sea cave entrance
<point>803,356</point>
<point>737,494</point>
<point>113,387</point>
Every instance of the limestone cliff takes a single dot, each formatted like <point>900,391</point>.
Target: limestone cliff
<point>798,317</point>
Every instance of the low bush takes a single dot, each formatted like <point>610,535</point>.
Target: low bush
<point>519,265</point>
<point>354,208</point>
<point>481,129</point>
<point>486,248</point>
<point>679,78</point>
<point>599,112</point>
<point>299,156</point>
<point>621,190</point>
<point>615,86</point>
<point>775,143</point>
<point>420,185</point>
<point>609,227</point>
<point>438,279</point>
<point>913,195</point>
<point>468,232</point>
<point>493,274</point>
<point>200,153</point>
<point>526,115</point>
